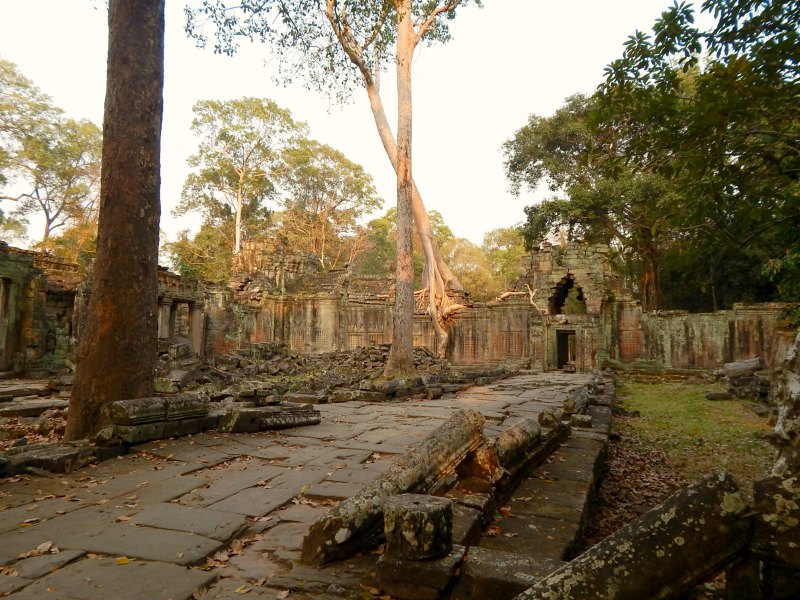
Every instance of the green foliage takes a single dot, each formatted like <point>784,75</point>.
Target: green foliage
<point>380,254</point>
<point>573,305</point>
<point>24,110</point>
<point>51,163</point>
<point>305,39</point>
<point>699,436</point>
<point>11,228</point>
<point>323,196</point>
<point>686,160</point>
<point>470,265</point>
<point>238,160</point>
<point>629,209</point>
<point>716,113</point>
<point>378,259</point>
<point>207,255</point>
<point>504,248</point>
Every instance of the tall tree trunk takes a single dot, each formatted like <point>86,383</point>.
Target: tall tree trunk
<point>237,244</point>
<point>118,348</point>
<point>401,355</point>
<point>652,283</point>
<point>436,273</point>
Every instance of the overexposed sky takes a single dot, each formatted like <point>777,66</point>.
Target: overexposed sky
<point>506,61</point>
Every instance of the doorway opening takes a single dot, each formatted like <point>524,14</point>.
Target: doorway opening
<point>566,350</point>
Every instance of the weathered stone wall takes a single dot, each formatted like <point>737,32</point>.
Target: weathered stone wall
<point>681,340</point>
<point>292,302</point>
<point>487,333</point>
<point>588,267</point>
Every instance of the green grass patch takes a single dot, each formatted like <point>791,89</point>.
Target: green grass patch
<point>698,435</point>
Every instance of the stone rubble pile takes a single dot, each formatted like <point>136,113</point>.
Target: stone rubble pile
<point>269,369</point>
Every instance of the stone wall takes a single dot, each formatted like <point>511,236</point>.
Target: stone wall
<point>682,340</point>
<point>581,318</point>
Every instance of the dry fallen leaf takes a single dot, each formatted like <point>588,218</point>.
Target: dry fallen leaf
<point>242,589</point>
<point>283,594</point>
<point>124,560</point>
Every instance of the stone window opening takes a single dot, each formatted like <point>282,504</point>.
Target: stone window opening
<point>567,298</point>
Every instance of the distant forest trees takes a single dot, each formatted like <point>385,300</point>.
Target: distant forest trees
<point>686,160</point>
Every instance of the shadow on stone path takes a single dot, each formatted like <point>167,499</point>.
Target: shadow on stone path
<point>225,514</point>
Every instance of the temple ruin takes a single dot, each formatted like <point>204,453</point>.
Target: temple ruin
<point>568,311</point>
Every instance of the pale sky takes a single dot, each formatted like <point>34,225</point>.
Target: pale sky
<point>506,61</point>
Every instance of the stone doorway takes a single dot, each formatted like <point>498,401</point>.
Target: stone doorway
<point>566,350</point>
<point>5,319</point>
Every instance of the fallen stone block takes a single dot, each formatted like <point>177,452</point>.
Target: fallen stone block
<point>52,458</point>
<point>188,406</point>
<point>499,575</point>
<point>515,442</point>
<point>467,525</point>
<point>582,421</point>
<point>283,420</point>
<point>742,368</point>
<point>357,521</point>
<point>139,411</point>
<point>418,580</point>
<point>241,420</point>
<point>418,527</point>
<point>358,395</point>
<point>549,419</point>
<point>777,530</point>
<point>181,428</point>
<point>162,385</point>
<point>664,553</point>
<point>138,434</point>
<point>32,407</point>
<point>305,398</point>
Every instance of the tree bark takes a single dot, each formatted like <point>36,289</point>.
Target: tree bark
<point>437,275</point>
<point>118,348</point>
<point>401,355</point>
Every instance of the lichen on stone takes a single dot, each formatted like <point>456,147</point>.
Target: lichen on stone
<point>733,503</point>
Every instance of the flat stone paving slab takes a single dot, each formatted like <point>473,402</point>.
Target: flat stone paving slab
<point>104,579</point>
<point>217,481</point>
<point>30,408</point>
<point>202,521</point>
<point>147,543</point>
<point>332,490</point>
<point>39,566</point>
<point>254,502</point>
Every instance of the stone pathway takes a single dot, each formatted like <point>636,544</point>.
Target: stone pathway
<point>222,515</point>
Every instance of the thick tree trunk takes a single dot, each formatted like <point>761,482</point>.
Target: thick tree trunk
<point>651,281</point>
<point>401,355</point>
<point>118,348</point>
<point>437,274</point>
<point>237,244</point>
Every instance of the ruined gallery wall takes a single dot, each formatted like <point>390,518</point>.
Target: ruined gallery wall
<point>36,310</point>
<point>681,340</point>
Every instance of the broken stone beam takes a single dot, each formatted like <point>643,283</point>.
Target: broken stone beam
<point>357,521</point>
<point>743,367</point>
<point>293,418</point>
<point>516,441</point>
<point>666,552</point>
<point>576,401</point>
<point>139,411</point>
<point>418,527</point>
